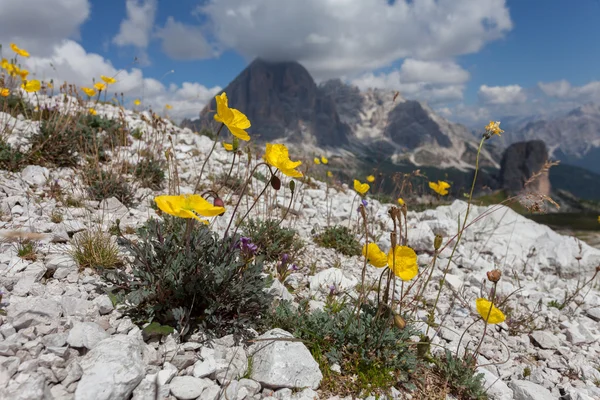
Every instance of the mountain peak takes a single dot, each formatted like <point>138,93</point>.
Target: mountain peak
<point>283,102</point>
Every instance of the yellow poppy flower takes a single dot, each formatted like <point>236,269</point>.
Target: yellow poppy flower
<point>277,155</point>
<point>403,262</point>
<point>168,106</point>
<point>374,255</point>
<point>187,206</point>
<point>137,102</point>
<point>12,69</point>
<point>400,201</point>
<point>494,128</point>
<point>361,188</point>
<point>228,146</point>
<point>483,308</point>
<point>23,74</point>
<point>233,119</point>
<point>441,187</point>
<point>31,86</point>
<point>19,51</point>
<point>324,160</point>
<point>329,174</point>
<point>92,111</point>
<point>100,86</point>
<point>370,179</point>
<point>4,63</point>
<point>109,80</point>
<point>317,161</point>
<point>49,85</point>
<point>89,91</point>
<point>4,92</point>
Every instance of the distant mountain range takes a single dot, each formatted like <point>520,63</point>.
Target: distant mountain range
<point>573,137</point>
<point>380,130</point>
<point>285,104</point>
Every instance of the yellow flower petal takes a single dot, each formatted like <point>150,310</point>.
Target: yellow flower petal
<point>187,206</point>
<point>361,188</point>
<point>317,160</point>
<point>31,86</point>
<point>109,80</point>
<point>324,160</point>
<point>4,92</point>
<point>483,308</point>
<point>370,178</point>
<point>329,174</point>
<point>19,51</point>
<point>440,187</point>
<point>277,155</point>
<point>401,201</point>
<point>92,111</point>
<point>100,86</point>
<point>168,106</point>
<point>403,262</point>
<point>89,91</point>
<point>374,255</point>
<point>197,203</point>
<point>137,102</point>
<point>228,146</point>
<point>233,119</point>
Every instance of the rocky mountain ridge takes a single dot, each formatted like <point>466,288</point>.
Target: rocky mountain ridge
<point>285,104</point>
<point>573,138</point>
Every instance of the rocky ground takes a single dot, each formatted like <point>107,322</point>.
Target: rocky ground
<point>63,338</point>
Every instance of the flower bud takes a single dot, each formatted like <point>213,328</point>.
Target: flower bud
<point>494,275</point>
<point>218,202</point>
<point>275,182</point>
<point>399,322</point>
<point>292,185</point>
<point>437,242</point>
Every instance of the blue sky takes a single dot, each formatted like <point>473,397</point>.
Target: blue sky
<point>469,59</point>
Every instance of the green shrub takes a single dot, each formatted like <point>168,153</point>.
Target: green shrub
<point>373,353</point>
<point>339,238</point>
<point>460,377</point>
<point>150,173</point>
<point>199,282</point>
<point>103,184</point>
<point>62,140</point>
<point>11,159</point>
<point>94,249</point>
<point>273,240</point>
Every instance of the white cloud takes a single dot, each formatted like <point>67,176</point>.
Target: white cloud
<point>136,28</point>
<point>564,90</point>
<point>184,42</point>
<point>432,72</point>
<point>70,63</point>
<point>37,25</point>
<point>511,94</point>
<point>332,38</point>
<point>433,81</point>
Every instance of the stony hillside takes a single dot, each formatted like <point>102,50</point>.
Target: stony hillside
<point>66,335</point>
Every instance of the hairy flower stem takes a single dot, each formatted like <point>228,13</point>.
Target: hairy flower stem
<point>207,157</point>
<point>460,230</point>
<point>240,199</point>
<point>493,299</point>
<point>228,174</point>
<point>287,210</point>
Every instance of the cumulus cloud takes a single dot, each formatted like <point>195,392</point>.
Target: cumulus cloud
<point>70,63</point>
<point>136,28</point>
<point>184,42</point>
<point>511,94</point>
<point>564,90</point>
<point>37,25</point>
<point>332,38</point>
<point>434,81</point>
